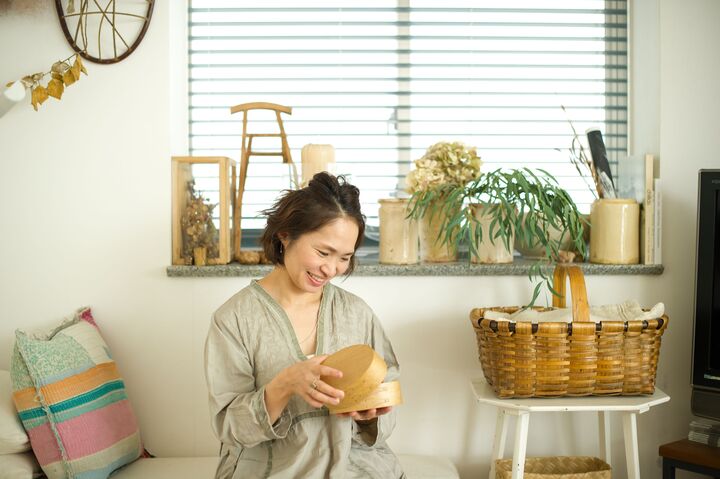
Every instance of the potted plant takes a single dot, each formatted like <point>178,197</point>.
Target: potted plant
<point>443,168</point>
<point>492,210</point>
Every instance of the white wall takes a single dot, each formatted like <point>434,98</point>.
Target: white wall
<point>86,184</point>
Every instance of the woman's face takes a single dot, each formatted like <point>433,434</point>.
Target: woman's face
<point>315,258</point>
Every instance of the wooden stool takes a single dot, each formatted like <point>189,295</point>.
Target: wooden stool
<point>691,456</point>
<point>245,154</point>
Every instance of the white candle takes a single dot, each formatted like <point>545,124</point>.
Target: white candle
<point>316,158</point>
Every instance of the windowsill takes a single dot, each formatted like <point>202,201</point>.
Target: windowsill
<point>368,265</point>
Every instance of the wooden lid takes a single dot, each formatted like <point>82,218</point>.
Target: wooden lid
<point>387,394</point>
<point>363,371</point>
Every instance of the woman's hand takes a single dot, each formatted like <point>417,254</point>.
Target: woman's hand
<point>303,379</point>
<point>367,415</point>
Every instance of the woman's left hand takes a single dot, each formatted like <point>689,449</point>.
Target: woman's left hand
<point>368,414</point>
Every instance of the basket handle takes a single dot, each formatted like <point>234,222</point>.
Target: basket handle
<point>580,308</point>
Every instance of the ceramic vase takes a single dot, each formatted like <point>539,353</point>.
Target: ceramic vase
<point>398,234</point>
<point>488,251</point>
<point>615,231</point>
<point>433,249</point>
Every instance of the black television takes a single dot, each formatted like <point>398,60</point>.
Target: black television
<point>706,335</point>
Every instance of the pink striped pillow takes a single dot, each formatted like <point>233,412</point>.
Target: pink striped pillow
<point>71,400</point>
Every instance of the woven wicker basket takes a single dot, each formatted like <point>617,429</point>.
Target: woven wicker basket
<point>582,358</point>
<point>559,467</point>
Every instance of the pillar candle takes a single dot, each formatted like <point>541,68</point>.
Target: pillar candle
<point>316,158</point>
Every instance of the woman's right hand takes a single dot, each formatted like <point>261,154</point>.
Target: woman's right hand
<point>303,379</point>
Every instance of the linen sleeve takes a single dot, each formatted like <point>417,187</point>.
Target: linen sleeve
<point>237,408</point>
<point>376,432</point>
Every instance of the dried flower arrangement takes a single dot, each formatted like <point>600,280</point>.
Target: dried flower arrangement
<point>198,228</point>
<point>62,74</point>
<point>582,161</point>
<point>444,163</point>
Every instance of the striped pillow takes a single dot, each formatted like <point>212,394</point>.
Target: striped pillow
<point>72,402</point>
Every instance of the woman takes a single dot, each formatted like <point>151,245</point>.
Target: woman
<point>266,344</point>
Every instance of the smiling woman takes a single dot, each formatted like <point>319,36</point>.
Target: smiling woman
<point>266,346</point>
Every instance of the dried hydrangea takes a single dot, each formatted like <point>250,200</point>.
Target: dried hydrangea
<point>198,228</point>
<point>444,163</point>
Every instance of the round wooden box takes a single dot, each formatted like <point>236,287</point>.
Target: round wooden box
<point>363,373</point>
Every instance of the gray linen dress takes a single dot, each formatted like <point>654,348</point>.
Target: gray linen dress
<point>249,342</point>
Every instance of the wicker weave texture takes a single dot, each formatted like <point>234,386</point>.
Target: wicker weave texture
<point>555,359</point>
<point>556,467</point>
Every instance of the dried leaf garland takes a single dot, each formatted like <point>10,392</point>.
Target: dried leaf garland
<point>62,74</point>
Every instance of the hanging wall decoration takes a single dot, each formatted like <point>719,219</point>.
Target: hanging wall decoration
<point>104,31</point>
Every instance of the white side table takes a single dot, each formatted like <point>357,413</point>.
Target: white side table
<point>628,406</point>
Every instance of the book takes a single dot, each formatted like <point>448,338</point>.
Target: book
<point>657,246</point>
<point>647,245</point>
<point>705,432</point>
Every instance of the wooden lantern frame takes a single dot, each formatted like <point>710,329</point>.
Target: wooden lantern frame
<point>181,173</point>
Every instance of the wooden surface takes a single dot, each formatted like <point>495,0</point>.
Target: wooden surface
<point>181,174</point>
<point>246,152</point>
<point>387,394</point>
<point>692,452</point>
<point>363,371</point>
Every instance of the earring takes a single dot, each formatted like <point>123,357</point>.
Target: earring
<point>281,248</point>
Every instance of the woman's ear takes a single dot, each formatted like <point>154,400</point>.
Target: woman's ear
<point>284,239</point>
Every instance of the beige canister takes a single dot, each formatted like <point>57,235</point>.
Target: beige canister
<point>398,234</point>
<point>615,231</point>
<point>490,251</point>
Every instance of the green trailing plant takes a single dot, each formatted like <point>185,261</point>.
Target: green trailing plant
<point>520,202</point>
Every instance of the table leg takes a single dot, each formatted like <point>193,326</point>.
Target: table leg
<point>631,445</point>
<point>605,435</point>
<point>668,470</point>
<point>499,442</point>
<point>521,435</point>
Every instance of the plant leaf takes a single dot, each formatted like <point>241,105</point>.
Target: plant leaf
<point>78,67</point>
<point>38,96</point>
<point>69,78</point>
<point>55,88</point>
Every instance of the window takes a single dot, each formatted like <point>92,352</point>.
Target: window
<point>382,80</point>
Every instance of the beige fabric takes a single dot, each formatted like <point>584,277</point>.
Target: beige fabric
<point>628,311</point>
<point>249,342</point>
<point>416,467</point>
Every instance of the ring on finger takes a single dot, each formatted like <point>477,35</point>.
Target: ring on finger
<point>314,383</point>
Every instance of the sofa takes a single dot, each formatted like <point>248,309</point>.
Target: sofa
<point>415,467</point>
<point>29,396</point>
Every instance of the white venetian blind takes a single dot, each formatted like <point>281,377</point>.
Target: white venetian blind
<point>382,80</point>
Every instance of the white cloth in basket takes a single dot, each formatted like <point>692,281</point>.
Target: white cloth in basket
<point>627,311</point>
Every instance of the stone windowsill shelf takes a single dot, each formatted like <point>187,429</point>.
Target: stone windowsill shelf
<point>368,265</point>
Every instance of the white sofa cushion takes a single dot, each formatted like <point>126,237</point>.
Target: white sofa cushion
<point>169,468</point>
<point>12,434</point>
<point>19,466</point>
<point>415,467</point>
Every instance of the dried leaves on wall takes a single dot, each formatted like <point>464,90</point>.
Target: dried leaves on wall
<point>62,73</point>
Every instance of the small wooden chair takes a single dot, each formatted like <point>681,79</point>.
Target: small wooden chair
<point>245,154</point>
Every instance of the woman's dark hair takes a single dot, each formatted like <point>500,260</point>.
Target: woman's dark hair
<point>325,199</point>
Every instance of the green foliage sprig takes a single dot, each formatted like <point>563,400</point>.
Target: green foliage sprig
<point>522,202</point>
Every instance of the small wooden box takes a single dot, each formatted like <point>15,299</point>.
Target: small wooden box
<point>203,204</point>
